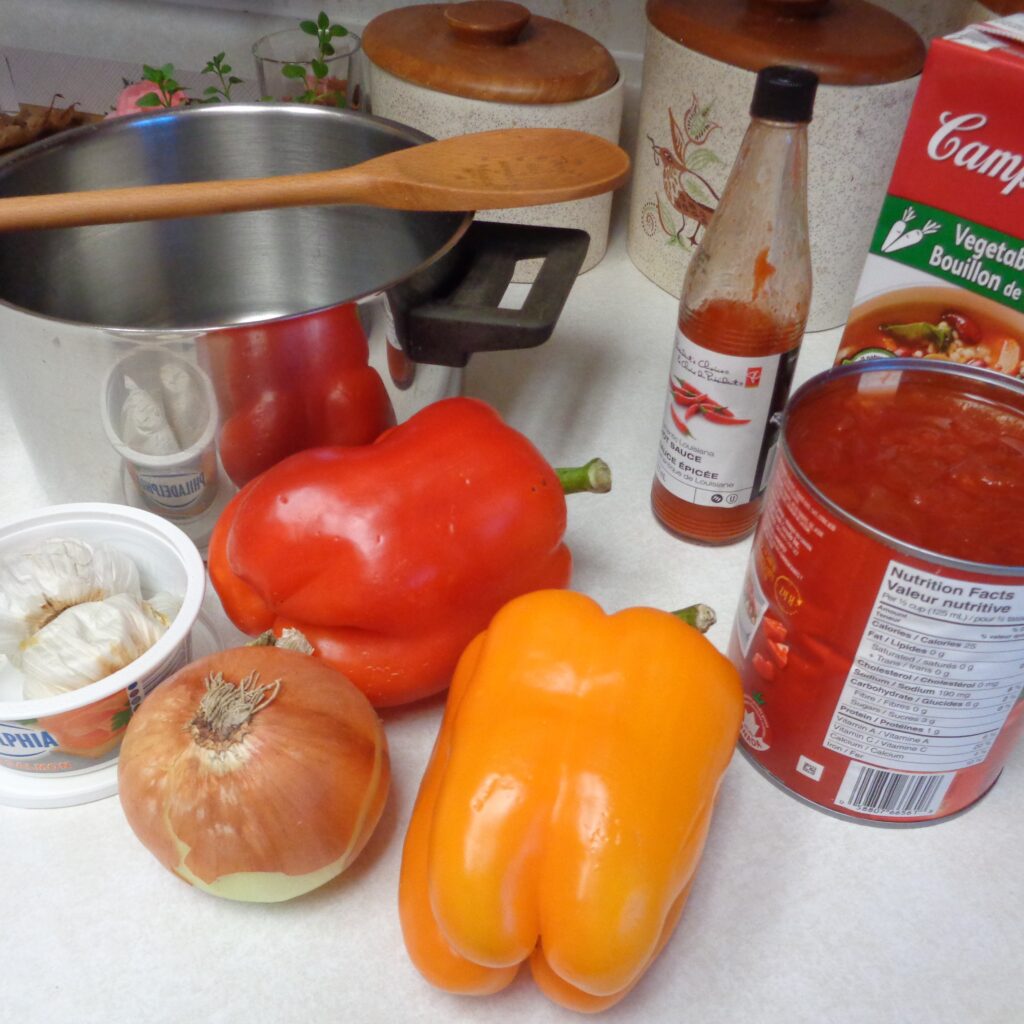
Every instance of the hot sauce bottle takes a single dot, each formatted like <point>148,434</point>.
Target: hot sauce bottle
<point>741,320</point>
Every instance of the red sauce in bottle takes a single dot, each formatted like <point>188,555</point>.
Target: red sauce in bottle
<point>732,328</point>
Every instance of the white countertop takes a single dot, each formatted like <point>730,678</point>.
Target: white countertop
<point>795,916</point>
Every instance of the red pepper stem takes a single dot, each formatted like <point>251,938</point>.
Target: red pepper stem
<point>289,640</point>
<point>594,477</point>
<point>700,616</point>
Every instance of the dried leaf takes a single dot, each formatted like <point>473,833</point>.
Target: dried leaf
<point>32,123</point>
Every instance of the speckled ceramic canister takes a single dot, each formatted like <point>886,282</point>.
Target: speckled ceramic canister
<point>442,115</point>
<point>992,9</point>
<point>694,112</point>
<point>452,69</point>
<point>933,18</point>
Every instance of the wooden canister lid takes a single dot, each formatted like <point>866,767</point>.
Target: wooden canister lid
<point>1001,8</point>
<point>846,42</point>
<point>489,50</point>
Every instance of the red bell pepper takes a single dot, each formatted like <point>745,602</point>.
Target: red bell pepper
<point>391,557</point>
<point>294,384</point>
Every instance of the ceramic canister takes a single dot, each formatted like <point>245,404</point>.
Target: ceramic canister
<point>451,69</point>
<point>695,110</point>
<point>935,18</point>
<point>931,18</point>
<point>986,10</point>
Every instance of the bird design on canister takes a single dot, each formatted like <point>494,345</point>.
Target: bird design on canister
<point>687,191</point>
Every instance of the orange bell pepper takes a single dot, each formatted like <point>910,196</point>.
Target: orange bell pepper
<point>564,809</point>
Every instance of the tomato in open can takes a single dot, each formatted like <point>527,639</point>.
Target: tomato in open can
<point>880,633</point>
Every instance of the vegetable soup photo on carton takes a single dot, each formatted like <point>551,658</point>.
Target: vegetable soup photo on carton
<point>944,277</point>
<point>935,323</point>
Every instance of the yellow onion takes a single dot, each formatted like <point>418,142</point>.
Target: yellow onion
<point>256,773</point>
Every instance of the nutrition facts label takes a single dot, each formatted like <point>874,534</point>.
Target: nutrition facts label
<point>938,669</point>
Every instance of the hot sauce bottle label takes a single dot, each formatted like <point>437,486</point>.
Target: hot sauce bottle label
<point>720,425</point>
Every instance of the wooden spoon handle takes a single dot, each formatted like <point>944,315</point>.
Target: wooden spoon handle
<point>485,171</point>
<point>160,202</point>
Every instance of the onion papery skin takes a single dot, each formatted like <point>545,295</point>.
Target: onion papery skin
<point>280,808</point>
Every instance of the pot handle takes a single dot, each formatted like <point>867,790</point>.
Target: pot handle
<point>447,330</point>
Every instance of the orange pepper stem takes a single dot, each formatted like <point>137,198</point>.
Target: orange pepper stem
<point>700,616</point>
<point>594,477</point>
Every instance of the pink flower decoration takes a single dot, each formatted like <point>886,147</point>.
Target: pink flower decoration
<point>127,99</point>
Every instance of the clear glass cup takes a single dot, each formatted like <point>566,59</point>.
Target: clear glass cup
<point>8,93</point>
<point>291,47</point>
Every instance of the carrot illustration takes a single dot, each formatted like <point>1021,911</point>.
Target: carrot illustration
<point>898,228</point>
<point>913,236</point>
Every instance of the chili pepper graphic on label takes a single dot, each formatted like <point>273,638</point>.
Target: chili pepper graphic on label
<point>697,403</point>
<point>682,427</point>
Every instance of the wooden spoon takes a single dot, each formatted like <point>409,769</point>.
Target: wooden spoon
<point>483,171</point>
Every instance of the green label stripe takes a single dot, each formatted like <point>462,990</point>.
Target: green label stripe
<point>970,255</point>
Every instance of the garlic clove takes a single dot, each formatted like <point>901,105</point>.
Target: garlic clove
<point>86,643</point>
<point>38,584</point>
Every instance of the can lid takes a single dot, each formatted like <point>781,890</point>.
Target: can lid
<point>784,93</point>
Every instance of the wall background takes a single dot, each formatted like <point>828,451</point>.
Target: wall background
<point>187,33</point>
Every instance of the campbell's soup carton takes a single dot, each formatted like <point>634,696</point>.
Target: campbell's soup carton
<point>944,278</point>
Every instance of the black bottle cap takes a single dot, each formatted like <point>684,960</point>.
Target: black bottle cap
<point>784,94</point>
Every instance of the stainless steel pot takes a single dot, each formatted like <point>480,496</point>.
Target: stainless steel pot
<point>105,329</point>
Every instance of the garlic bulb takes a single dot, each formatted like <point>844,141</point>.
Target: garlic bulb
<point>144,425</point>
<point>72,613</point>
<point>37,585</point>
<point>186,407</point>
<point>164,606</point>
<point>88,642</point>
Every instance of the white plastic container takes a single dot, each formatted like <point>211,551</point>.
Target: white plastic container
<point>181,485</point>
<point>63,750</point>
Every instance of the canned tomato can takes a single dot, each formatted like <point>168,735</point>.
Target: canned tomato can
<point>880,632</point>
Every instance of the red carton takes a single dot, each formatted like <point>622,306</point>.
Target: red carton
<point>944,278</point>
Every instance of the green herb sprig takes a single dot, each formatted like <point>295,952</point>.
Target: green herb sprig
<point>324,31</point>
<point>163,79</point>
<point>219,67</point>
